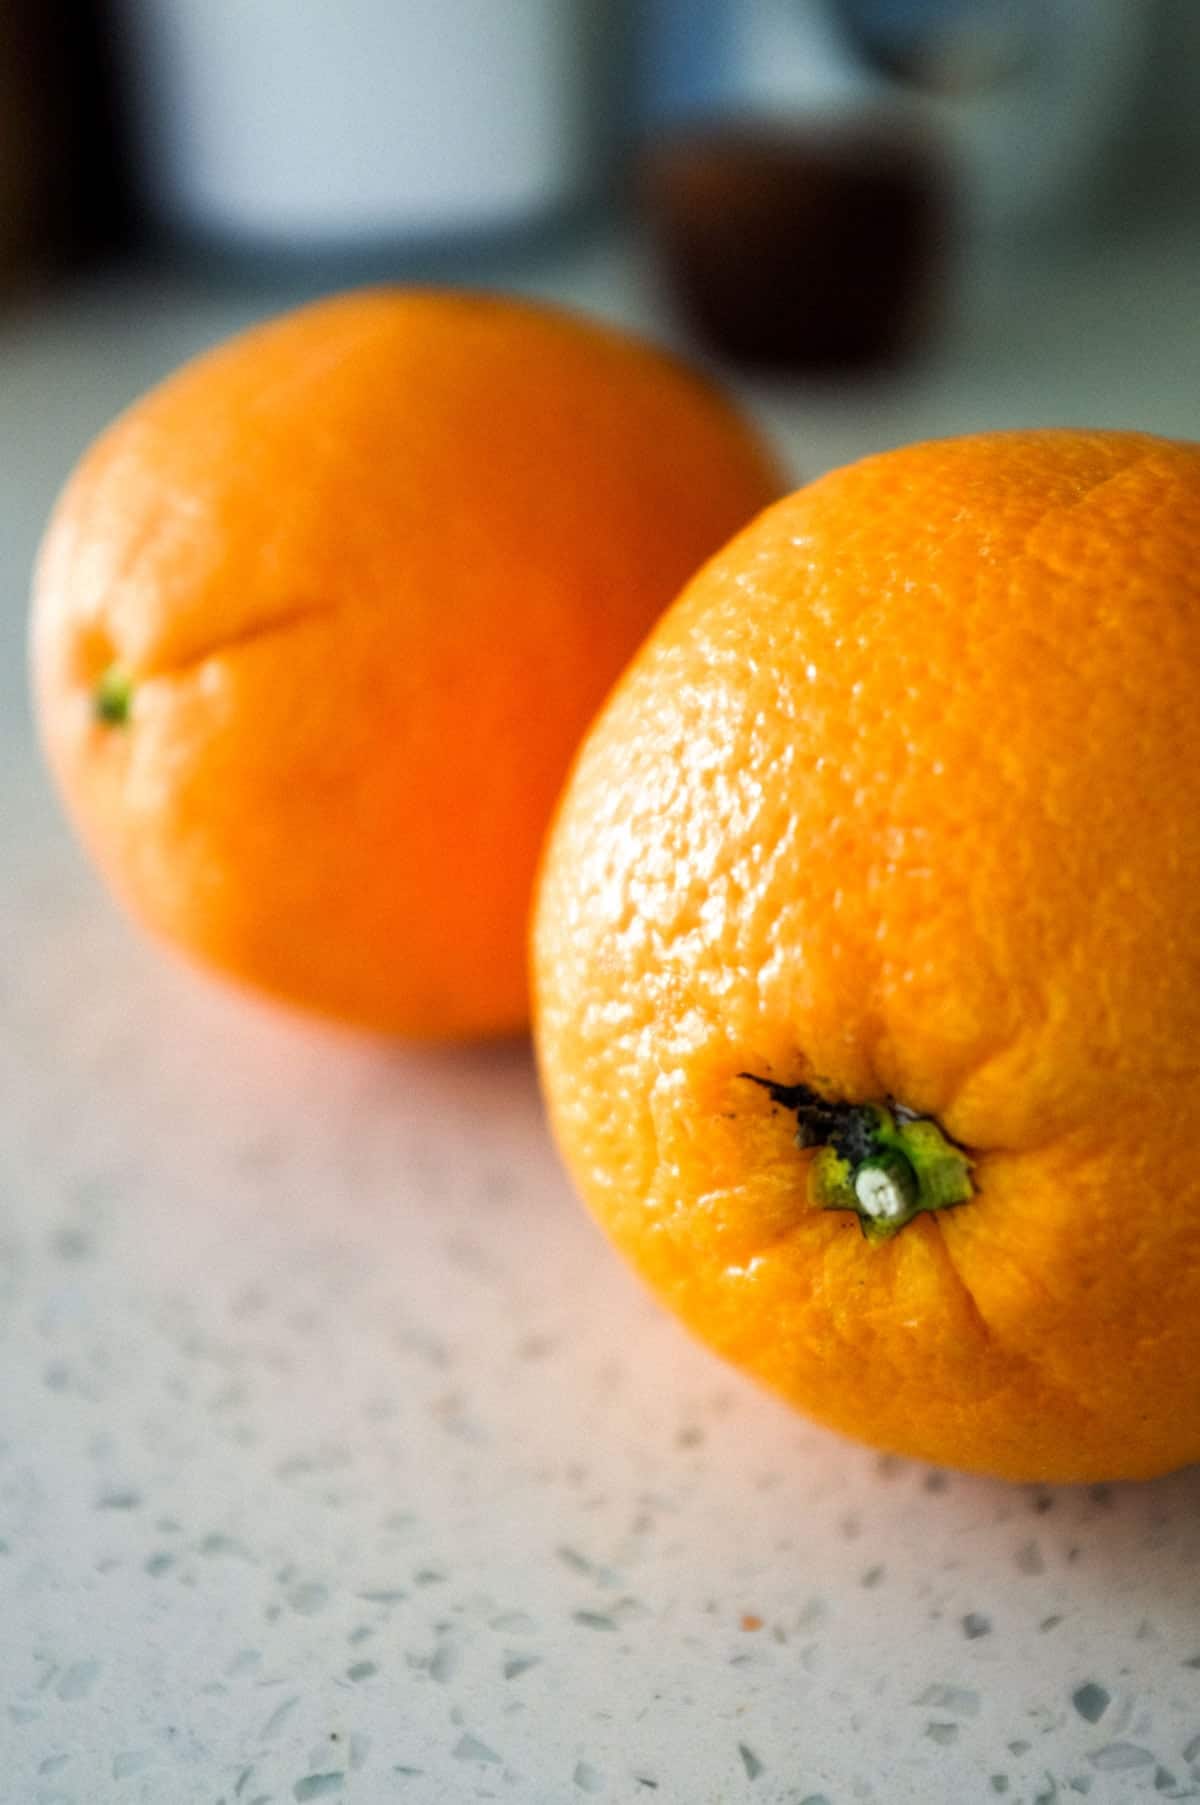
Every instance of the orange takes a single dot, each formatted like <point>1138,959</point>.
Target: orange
<point>868,954</point>
<point>319,622</point>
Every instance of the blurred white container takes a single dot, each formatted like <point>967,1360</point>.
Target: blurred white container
<point>325,124</point>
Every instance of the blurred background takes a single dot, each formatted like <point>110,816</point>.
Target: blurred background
<point>880,219</point>
<point>807,176</point>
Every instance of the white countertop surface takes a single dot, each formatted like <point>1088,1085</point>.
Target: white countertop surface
<point>339,1459</point>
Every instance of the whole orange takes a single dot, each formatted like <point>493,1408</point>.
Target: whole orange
<point>868,954</point>
<point>319,622</point>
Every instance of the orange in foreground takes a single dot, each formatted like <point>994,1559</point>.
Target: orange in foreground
<point>319,623</point>
<point>868,954</point>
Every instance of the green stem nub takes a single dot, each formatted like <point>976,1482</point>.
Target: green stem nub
<point>112,697</point>
<point>880,1160</point>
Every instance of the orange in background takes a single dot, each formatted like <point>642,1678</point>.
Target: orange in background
<point>319,622</point>
<point>896,816</point>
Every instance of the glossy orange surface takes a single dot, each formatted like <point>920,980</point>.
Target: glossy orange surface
<point>902,799</point>
<point>320,621</point>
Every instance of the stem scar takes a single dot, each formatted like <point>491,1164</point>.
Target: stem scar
<point>883,1161</point>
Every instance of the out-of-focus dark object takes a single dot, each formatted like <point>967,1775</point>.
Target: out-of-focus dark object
<point>26,153</point>
<point>800,248</point>
<point>63,189</point>
<point>336,127</point>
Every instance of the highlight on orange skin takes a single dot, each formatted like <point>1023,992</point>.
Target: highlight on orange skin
<point>898,812</point>
<point>319,622</point>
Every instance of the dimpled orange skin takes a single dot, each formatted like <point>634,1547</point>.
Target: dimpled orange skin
<point>902,798</point>
<point>370,569</point>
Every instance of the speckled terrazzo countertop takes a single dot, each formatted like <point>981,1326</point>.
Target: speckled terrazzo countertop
<point>338,1457</point>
